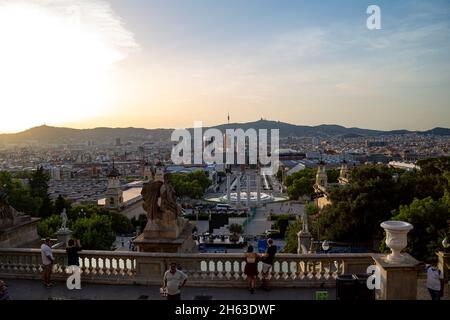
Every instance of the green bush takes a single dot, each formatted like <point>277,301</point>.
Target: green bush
<point>48,227</point>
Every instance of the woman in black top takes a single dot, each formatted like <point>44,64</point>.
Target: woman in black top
<point>72,253</point>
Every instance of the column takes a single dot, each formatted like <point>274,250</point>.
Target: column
<point>398,280</point>
<point>258,188</point>
<point>248,190</point>
<point>238,189</point>
<point>228,187</point>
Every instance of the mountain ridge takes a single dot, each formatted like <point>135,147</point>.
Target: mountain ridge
<point>51,134</point>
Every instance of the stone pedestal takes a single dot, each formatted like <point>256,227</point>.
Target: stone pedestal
<point>172,238</point>
<point>304,242</point>
<point>63,236</point>
<point>398,279</point>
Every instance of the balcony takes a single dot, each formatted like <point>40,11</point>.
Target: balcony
<point>204,270</point>
<point>219,275</point>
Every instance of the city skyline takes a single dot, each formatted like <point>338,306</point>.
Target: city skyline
<point>158,64</point>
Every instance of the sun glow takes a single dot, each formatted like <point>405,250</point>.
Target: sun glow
<point>56,61</point>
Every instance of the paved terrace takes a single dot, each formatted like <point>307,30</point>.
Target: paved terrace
<point>34,290</point>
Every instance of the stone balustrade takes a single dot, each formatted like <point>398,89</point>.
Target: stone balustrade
<point>204,270</point>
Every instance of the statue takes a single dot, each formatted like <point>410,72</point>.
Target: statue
<point>150,192</point>
<point>168,199</point>
<point>64,219</point>
<point>6,212</point>
<point>160,200</point>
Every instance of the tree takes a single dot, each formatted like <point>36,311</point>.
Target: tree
<point>300,183</point>
<point>333,175</point>
<point>61,203</point>
<point>311,209</point>
<point>192,185</point>
<point>120,224</point>
<point>39,188</point>
<point>291,237</point>
<point>48,227</point>
<point>358,208</point>
<point>430,220</point>
<point>375,193</point>
<point>95,233</point>
<point>19,196</point>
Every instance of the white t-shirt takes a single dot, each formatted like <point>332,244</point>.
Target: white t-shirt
<point>434,275</point>
<point>46,252</point>
<point>174,281</point>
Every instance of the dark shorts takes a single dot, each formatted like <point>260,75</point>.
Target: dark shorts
<point>174,296</point>
<point>435,294</point>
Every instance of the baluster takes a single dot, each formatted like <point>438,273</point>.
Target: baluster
<point>107,266</point>
<point>228,270</point>
<point>114,266</point>
<point>121,267</point>
<point>212,269</point>
<point>235,265</point>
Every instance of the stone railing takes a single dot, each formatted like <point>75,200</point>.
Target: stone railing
<point>207,270</point>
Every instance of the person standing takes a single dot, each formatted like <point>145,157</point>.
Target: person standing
<point>174,280</point>
<point>47,262</point>
<point>74,247</point>
<point>251,269</point>
<point>435,281</point>
<point>268,259</point>
<point>4,294</point>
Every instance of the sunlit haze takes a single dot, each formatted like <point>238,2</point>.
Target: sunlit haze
<point>168,63</point>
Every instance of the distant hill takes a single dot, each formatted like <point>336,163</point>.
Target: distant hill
<point>48,134</point>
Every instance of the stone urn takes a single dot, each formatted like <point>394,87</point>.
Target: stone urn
<point>396,238</point>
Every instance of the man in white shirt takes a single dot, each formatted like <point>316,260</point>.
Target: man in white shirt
<point>435,281</point>
<point>174,280</point>
<point>47,262</point>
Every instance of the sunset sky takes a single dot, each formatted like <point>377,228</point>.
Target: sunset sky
<point>167,63</point>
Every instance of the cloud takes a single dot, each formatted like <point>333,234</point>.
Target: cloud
<point>95,17</point>
<point>58,60</point>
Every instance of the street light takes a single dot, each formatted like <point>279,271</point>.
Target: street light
<point>325,246</point>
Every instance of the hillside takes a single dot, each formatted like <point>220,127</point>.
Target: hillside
<point>48,134</point>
